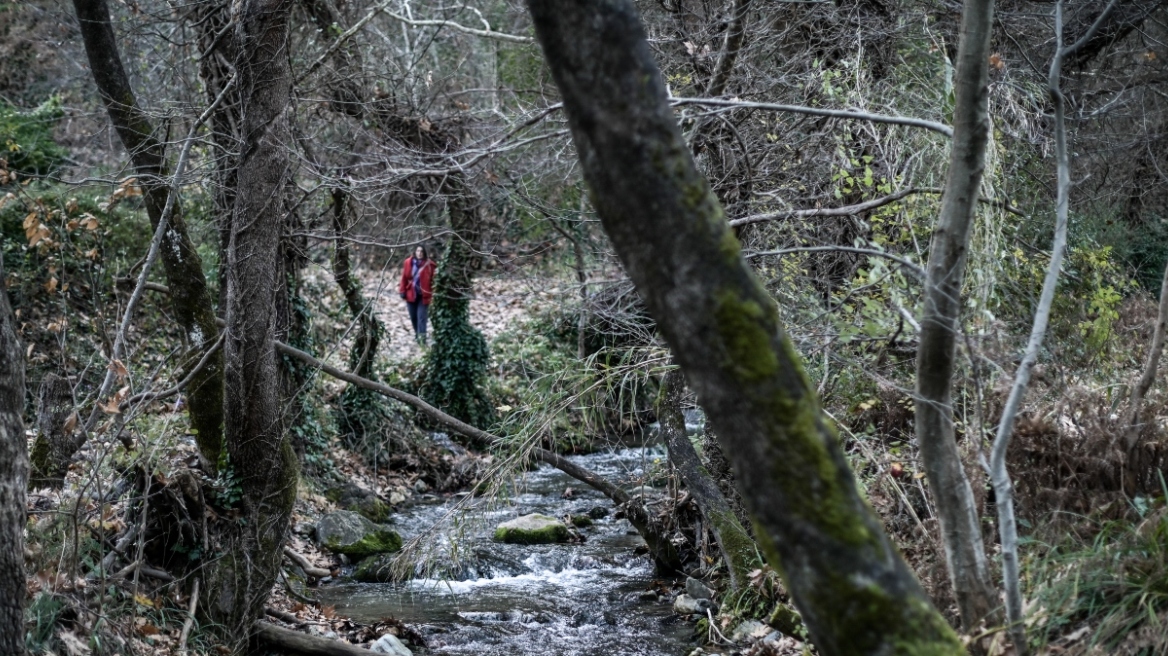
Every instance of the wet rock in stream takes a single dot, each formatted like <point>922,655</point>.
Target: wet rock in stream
<point>348,533</point>
<point>532,529</point>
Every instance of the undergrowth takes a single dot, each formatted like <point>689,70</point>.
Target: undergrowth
<point>1111,587</point>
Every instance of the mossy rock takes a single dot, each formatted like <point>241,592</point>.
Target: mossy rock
<point>786,620</point>
<point>581,521</point>
<point>349,533</point>
<point>378,569</point>
<point>375,510</point>
<point>533,529</point>
<point>366,503</point>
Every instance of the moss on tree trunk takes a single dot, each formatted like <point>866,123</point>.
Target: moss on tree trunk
<point>737,547</point>
<point>855,592</point>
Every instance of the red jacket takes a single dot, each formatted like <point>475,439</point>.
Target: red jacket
<point>425,281</point>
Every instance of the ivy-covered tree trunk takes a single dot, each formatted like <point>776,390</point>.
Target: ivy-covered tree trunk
<point>13,478</point>
<point>189,297</point>
<point>457,364</point>
<point>360,408</point>
<point>260,457</point>
<point>856,594</point>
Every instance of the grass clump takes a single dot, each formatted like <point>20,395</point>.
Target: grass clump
<point>1116,587</point>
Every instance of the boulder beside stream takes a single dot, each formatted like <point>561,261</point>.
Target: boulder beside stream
<point>533,529</point>
<point>346,532</point>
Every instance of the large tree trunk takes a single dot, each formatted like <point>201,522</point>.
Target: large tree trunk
<point>941,324</point>
<point>184,268</point>
<point>13,477</point>
<point>855,592</point>
<point>737,547</point>
<point>259,455</point>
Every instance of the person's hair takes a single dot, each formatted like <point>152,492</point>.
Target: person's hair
<point>425,255</point>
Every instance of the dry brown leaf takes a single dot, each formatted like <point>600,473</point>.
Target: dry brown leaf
<point>119,369</point>
<point>149,629</point>
<point>111,406</point>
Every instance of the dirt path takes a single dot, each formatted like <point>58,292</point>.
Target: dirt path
<point>497,304</point>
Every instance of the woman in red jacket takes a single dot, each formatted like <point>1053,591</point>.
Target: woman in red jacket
<point>417,288</point>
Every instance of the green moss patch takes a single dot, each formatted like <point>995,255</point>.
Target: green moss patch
<point>380,541</point>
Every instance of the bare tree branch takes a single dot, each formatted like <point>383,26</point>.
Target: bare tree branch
<point>912,267</point>
<point>850,114</point>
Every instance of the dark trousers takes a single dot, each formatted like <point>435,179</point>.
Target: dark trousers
<point>418,316</point>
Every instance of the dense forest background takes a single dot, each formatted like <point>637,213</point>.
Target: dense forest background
<point>291,186</point>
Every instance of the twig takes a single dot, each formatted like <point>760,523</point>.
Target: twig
<point>487,33</point>
<point>190,621</point>
<point>178,387</point>
<point>304,565</point>
<point>714,627</point>
<point>382,8</point>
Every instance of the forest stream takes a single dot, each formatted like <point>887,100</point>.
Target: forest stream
<point>551,600</point>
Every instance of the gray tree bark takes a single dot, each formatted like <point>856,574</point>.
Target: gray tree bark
<point>13,478</point>
<point>854,591</point>
<point>999,474</point>
<point>259,453</point>
<point>956,508</point>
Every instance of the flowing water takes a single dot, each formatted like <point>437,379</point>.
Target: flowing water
<point>551,600</point>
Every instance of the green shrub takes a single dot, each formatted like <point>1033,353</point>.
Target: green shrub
<point>26,138</point>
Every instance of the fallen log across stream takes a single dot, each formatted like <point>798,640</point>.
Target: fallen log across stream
<point>664,553</point>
